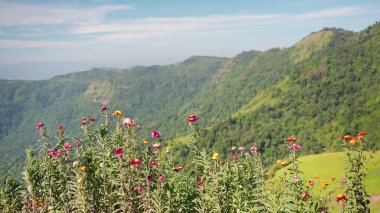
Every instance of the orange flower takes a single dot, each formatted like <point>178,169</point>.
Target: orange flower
<point>347,137</point>
<point>316,176</point>
<point>291,140</point>
<point>333,178</point>
<point>117,113</point>
<point>83,168</point>
<point>353,141</point>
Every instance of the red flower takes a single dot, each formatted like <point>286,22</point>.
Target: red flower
<point>84,122</point>
<point>118,151</point>
<point>67,146</point>
<point>104,108</point>
<point>192,118</point>
<point>234,156</point>
<point>40,125</point>
<point>155,134</point>
<point>135,162</point>
<point>59,126</point>
<point>150,178</point>
<point>304,195</point>
<point>199,183</point>
<point>341,197</point>
<point>291,140</point>
<point>362,133</point>
<point>177,169</point>
<point>92,119</point>
<point>153,163</point>
<point>78,143</point>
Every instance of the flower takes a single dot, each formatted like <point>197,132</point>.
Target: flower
<point>246,154</point>
<point>296,178</point>
<point>144,141</point>
<point>139,189</point>
<point>156,146</point>
<point>241,148</point>
<point>199,183</point>
<point>84,118</point>
<point>353,141</point>
<point>341,197</point>
<point>316,176</point>
<point>304,195</point>
<point>83,168</point>
<point>128,122</point>
<point>153,163</point>
<point>311,182</point>
<point>59,126</point>
<point>177,169</point>
<point>192,118</point>
<point>155,134</point>
<point>344,181</point>
<point>295,146</point>
<point>215,156</point>
<point>135,162</point>
<point>84,122</point>
<point>347,137</point>
<point>333,178</point>
<point>104,108</point>
<point>234,156</point>
<point>324,184</point>
<point>149,178</point>
<point>78,143</point>
<point>117,113</point>
<point>254,149</point>
<point>55,154</point>
<point>118,152</point>
<point>233,148</point>
<point>161,178</point>
<point>40,125</point>
<point>168,149</point>
<point>362,133</point>
<point>92,119</point>
<point>67,146</point>
<point>76,163</point>
<point>291,140</point>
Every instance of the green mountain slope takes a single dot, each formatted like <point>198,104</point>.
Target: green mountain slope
<point>323,86</point>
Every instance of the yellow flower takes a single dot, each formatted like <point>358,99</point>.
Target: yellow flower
<point>215,156</point>
<point>117,113</point>
<point>353,141</point>
<point>316,176</point>
<point>83,168</point>
<point>284,163</point>
<point>144,141</point>
<point>168,149</point>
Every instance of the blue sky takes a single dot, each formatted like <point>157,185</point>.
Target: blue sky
<point>161,32</point>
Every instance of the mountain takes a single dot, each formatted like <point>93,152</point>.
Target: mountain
<point>323,86</point>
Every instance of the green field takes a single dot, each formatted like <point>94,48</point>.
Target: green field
<point>329,165</point>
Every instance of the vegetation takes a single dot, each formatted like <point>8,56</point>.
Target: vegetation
<point>324,85</point>
<point>112,167</point>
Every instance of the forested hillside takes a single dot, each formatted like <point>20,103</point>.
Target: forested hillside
<point>325,85</point>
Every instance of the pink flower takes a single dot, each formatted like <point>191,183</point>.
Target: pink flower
<point>55,154</point>
<point>67,146</point>
<point>84,118</point>
<point>40,125</point>
<point>241,148</point>
<point>136,163</point>
<point>104,108</point>
<point>161,178</point>
<point>246,154</point>
<point>78,143</point>
<point>59,126</point>
<point>155,134</point>
<point>234,156</point>
<point>192,118</point>
<point>153,163</point>
<point>92,119</point>
<point>119,152</point>
<point>128,122</point>
<point>254,149</point>
<point>233,148</point>
<point>139,189</point>
<point>84,122</point>
<point>311,182</point>
<point>295,146</point>
<point>52,152</point>
<point>156,146</point>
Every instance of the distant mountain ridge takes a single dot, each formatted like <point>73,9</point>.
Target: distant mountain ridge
<point>323,86</point>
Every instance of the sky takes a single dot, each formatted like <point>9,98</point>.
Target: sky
<point>147,32</point>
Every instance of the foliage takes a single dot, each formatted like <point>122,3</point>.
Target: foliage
<point>114,168</point>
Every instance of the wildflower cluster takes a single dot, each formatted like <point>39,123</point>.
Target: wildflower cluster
<point>115,168</point>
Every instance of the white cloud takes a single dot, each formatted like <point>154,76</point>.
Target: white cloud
<point>16,14</point>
